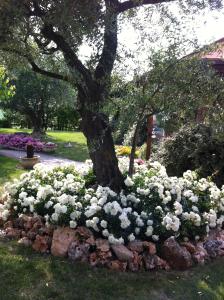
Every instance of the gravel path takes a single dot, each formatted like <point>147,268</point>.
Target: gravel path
<point>44,158</point>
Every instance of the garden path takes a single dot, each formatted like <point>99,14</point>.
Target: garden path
<point>44,158</point>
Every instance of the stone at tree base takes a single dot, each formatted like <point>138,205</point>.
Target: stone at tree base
<point>150,247</point>
<point>136,246</point>
<point>102,245</point>
<point>83,233</point>
<point>8,224</point>
<point>13,233</point>
<point>62,238</point>
<point>220,235</point>
<point>93,259</point>
<point>91,241</point>
<point>149,261</point>
<point>117,265</point>
<point>176,256</point>
<point>201,255</point>
<point>25,242</point>
<point>41,244</point>
<point>78,252</point>
<point>214,248</point>
<point>100,258</point>
<point>104,257</point>
<point>189,246</point>
<point>46,230</point>
<point>122,252</point>
<point>136,263</point>
<point>31,234</point>
<point>161,264</point>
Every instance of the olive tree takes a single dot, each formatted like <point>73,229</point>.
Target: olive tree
<point>31,28</point>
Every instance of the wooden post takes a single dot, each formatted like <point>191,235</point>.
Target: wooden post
<point>149,137</point>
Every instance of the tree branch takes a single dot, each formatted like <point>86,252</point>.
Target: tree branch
<point>126,5</point>
<point>35,67</point>
<point>69,55</point>
<point>106,62</point>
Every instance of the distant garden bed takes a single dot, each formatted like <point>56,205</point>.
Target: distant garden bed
<point>156,222</point>
<point>18,141</point>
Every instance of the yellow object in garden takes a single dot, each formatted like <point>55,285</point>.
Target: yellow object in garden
<point>125,151</point>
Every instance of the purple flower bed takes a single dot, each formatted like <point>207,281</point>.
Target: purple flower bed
<point>19,142</point>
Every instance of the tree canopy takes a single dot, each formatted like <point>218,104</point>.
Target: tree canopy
<point>32,29</point>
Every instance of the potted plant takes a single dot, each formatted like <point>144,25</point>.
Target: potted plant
<point>30,160</point>
<point>49,147</point>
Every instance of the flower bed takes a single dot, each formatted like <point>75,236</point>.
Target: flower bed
<point>153,208</point>
<point>19,142</point>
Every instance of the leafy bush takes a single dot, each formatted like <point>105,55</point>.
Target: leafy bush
<point>196,148</point>
<point>153,206</point>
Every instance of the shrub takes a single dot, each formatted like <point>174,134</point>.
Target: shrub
<point>197,148</point>
<point>153,206</point>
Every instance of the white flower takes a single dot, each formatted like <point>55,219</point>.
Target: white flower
<point>128,182</point>
<point>103,224</point>
<point>178,208</point>
<point>155,237</point>
<point>105,233</point>
<point>131,237</point>
<point>149,231</point>
<point>73,224</point>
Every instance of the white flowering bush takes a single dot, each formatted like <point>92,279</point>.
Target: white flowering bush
<point>153,206</point>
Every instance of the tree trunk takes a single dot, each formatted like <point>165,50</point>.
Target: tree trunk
<point>133,149</point>
<point>149,137</point>
<point>100,143</point>
<point>38,128</point>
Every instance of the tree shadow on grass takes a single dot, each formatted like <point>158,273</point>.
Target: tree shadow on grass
<point>25,274</point>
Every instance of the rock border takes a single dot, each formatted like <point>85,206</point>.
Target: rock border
<point>80,244</point>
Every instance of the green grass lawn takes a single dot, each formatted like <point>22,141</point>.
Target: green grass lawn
<point>78,151</point>
<point>9,169</point>
<point>26,275</point>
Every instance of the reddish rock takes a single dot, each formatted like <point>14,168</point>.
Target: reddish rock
<point>189,246</point>
<point>8,224</point>
<point>31,234</point>
<point>37,225</point>
<point>201,255</point>
<point>102,245</point>
<point>28,222</point>
<point>122,252</point>
<point>25,241</point>
<point>83,233</point>
<point>220,235</point>
<point>150,247</point>
<point>13,233</point>
<point>176,256</point>
<point>117,265</point>
<point>78,252</point>
<point>47,230</point>
<point>161,264</point>
<point>136,263</point>
<point>41,244</point>
<point>135,246</point>
<point>91,241</point>
<point>100,258</point>
<point>149,261</point>
<point>104,257</point>
<point>62,238</point>
<point>214,248</point>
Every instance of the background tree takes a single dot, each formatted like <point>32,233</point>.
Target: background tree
<point>59,28</point>
<point>38,98</point>
<point>173,86</point>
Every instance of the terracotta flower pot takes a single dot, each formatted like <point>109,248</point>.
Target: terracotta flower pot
<point>28,163</point>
